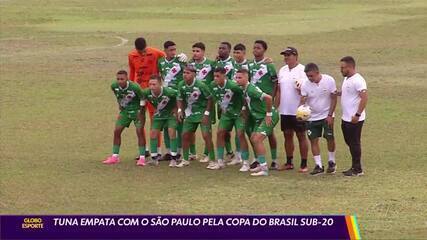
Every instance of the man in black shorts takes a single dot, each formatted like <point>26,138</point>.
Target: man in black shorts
<point>291,76</point>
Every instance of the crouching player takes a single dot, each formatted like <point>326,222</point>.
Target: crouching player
<point>320,93</point>
<point>195,103</point>
<point>229,97</point>
<point>260,107</point>
<point>163,99</point>
<point>128,96</point>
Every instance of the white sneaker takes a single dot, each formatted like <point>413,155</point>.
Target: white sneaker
<point>210,165</point>
<point>192,157</point>
<point>235,161</point>
<point>245,167</point>
<point>230,157</point>
<point>172,163</point>
<point>183,163</point>
<point>260,173</point>
<point>257,169</point>
<point>217,166</point>
<point>204,159</point>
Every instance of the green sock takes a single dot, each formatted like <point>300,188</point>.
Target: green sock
<point>141,150</point>
<point>166,138</point>
<point>261,159</point>
<point>274,153</point>
<point>153,145</point>
<point>220,152</point>
<point>173,144</point>
<point>212,155</point>
<point>245,155</point>
<point>179,137</point>
<point>186,154</point>
<point>236,140</point>
<point>206,152</point>
<point>193,149</point>
<point>228,146</point>
<point>116,149</point>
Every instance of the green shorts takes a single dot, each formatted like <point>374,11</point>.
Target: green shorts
<point>228,123</point>
<point>190,126</point>
<point>315,129</point>
<point>160,124</point>
<point>261,127</point>
<point>126,117</point>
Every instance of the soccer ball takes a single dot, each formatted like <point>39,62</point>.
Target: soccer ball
<point>298,84</point>
<point>303,113</point>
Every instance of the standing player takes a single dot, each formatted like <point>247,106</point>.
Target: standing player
<point>164,101</point>
<point>195,103</point>
<point>230,100</point>
<point>171,68</point>
<point>263,75</point>
<point>142,64</point>
<point>291,76</point>
<point>260,107</point>
<point>224,60</point>
<point>353,102</point>
<point>128,96</point>
<point>204,73</point>
<point>320,94</point>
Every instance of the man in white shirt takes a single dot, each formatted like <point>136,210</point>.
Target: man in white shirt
<point>291,76</point>
<point>320,94</point>
<point>354,98</point>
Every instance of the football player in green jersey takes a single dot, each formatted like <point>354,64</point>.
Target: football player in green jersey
<point>229,97</point>
<point>204,72</point>
<point>263,75</point>
<point>163,99</point>
<point>195,104</point>
<point>129,96</point>
<point>264,115</point>
<point>170,68</point>
<point>224,60</point>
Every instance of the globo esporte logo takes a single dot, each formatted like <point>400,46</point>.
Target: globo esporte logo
<point>32,223</point>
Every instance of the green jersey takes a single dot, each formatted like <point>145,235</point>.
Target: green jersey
<point>229,98</point>
<point>195,98</point>
<point>164,103</point>
<point>204,70</point>
<point>171,71</point>
<point>228,65</point>
<point>237,66</point>
<point>129,97</point>
<point>263,75</point>
<point>254,97</point>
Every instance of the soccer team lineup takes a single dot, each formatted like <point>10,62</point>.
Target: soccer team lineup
<point>246,99</point>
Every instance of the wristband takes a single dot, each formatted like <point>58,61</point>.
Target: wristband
<point>179,110</point>
<point>207,113</point>
<point>243,108</point>
<point>329,115</point>
<point>357,114</point>
<point>269,114</point>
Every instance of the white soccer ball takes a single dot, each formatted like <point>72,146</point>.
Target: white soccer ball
<point>303,113</point>
<point>298,84</point>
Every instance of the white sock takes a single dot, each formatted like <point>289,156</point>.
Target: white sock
<point>115,155</point>
<point>159,150</point>
<point>168,150</point>
<point>245,162</point>
<point>220,161</point>
<point>318,160</point>
<point>153,154</point>
<point>239,155</point>
<point>331,156</point>
<point>173,154</point>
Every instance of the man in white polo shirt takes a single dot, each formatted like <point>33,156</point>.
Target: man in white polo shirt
<point>291,76</point>
<point>320,94</point>
<point>354,98</point>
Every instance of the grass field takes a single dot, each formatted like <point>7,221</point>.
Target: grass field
<point>57,113</point>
